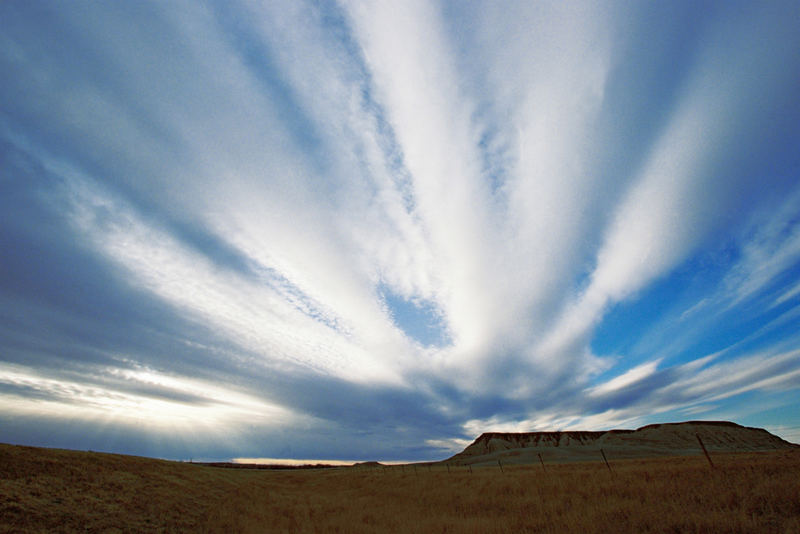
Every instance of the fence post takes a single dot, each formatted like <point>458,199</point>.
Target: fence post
<point>542,461</point>
<point>705,451</point>
<point>606,461</point>
<point>501,465</point>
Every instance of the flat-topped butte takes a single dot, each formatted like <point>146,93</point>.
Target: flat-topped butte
<point>648,441</point>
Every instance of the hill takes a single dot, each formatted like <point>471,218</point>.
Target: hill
<point>669,439</point>
<point>56,490</point>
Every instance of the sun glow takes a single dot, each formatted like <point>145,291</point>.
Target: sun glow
<point>136,397</point>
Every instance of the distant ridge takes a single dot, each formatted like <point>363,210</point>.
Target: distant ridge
<point>663,439</point>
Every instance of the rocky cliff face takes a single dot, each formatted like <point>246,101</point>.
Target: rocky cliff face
<point>498,441</point>
<point>658,439</point>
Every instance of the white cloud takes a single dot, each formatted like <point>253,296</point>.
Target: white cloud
<point>679,198</point>
<point>787,295</point>
<point>771,249</point>
<point>501,245</point>
<point>566,420</point>
<point>752,372</point>
<point>413,75</point>
<point>136,396</point>
<point>700,408</point>
<point>454,445</point>
<point>258,315</point>
<point>626,379</point>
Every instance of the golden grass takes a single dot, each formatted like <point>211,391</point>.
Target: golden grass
<point>51,490</point>
<point>69,491</point>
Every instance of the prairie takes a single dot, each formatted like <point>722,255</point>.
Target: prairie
<point>47,490</point>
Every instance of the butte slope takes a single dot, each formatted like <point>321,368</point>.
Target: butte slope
<point>669,439</point>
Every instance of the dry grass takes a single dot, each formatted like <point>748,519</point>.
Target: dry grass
<point>69,491</point>
<point>50,490</point>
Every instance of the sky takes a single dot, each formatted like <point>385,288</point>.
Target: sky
<point>375,230</point>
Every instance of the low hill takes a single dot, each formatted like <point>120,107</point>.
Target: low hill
<point>669,439</point>
<point>56,490</point>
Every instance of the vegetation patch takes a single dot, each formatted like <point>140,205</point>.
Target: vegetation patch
<point>45,490</point>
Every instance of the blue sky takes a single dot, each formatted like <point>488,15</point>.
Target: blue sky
<point>365,230</point>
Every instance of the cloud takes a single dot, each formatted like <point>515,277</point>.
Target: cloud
<point>680,197</point>
<point>263,198</point>
<point>413,76</point>
<point>626,379</point>
<point>134,397</point>
<point>687,388</point>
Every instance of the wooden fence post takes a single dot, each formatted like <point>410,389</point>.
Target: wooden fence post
<point>606,461</point>
<point>501,465</point>
<point>705,451</point>
<point>542,461</point>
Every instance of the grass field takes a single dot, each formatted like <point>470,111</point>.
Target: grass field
<point>45,490</point>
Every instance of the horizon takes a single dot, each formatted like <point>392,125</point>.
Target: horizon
<point>298,462</point>
<point>295,229</point>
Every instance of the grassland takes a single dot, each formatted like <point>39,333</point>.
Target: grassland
<point>43,490</point>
